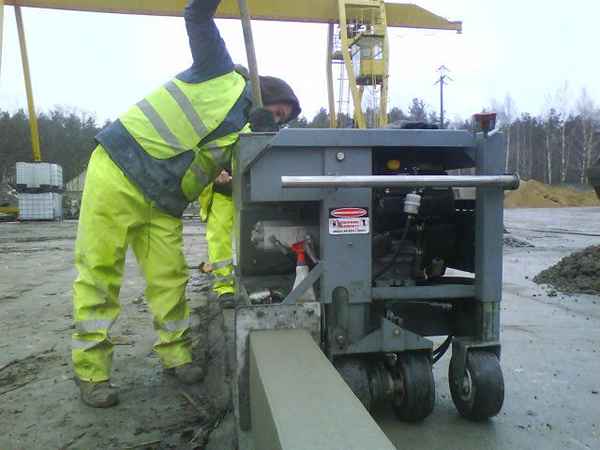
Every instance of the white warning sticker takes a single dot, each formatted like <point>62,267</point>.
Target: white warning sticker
<point>349,221</point>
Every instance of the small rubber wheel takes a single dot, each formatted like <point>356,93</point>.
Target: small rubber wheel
<point>415,398</point>
<point>480,394</point>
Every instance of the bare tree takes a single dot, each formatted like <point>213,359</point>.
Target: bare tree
<point>587,113</point>
<point>562,105</point>
<point>506,113</point>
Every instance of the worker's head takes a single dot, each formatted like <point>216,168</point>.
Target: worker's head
<point>279,98</point>
<point>280,104</point>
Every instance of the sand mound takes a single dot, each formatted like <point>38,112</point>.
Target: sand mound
<point>533,194</point>
<point>575,273</point>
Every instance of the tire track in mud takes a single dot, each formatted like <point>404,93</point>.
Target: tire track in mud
<point>36,239</point>
<point>21,372</point>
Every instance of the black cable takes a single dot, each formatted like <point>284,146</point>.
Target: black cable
<point>395,257</point>
<point>439,352</point>
<point>447,280</point>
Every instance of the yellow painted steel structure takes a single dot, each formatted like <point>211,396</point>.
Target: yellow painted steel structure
<point>364,49</point>
<point>346,13</point>
<point>1,30</point>
<point>317,11</point>
<point>33,123</point>
<point>329,71</point>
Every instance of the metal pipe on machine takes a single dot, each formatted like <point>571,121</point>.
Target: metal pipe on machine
<point>508,182</point>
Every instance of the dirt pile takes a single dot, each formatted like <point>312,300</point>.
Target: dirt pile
<point>576,273</point>
<point>513,242</point>
<point>533,194</point>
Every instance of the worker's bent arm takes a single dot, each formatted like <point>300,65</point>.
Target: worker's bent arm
<point>211,58</point>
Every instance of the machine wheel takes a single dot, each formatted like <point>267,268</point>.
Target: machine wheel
<point>480,394</point>
<point>415,396</point>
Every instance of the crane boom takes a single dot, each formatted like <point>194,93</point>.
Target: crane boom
<point>317,11</point>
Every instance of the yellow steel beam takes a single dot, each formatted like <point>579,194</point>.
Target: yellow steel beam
<point>383,97</point>
<point>319,11</point>
<point>33,124</point>
<point>359,116</point>
<point>1,30</point>
<point>329,68</point>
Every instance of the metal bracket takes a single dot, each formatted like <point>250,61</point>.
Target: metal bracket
<point>266,317</point>
<point>390,338</point>
<point>312,278</point>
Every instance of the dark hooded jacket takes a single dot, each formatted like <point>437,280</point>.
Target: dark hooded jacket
<point>274,90</point>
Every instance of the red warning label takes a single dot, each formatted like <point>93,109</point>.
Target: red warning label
<point>349,221</point>
<point>349,212</point>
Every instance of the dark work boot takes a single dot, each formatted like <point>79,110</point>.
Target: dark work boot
<point>98,395</point>
<point>187,374</point>
<point>227,301</point>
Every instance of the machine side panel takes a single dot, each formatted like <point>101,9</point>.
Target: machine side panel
<point>363,138</point>
<point>266,173</point>
<point>347,256</point>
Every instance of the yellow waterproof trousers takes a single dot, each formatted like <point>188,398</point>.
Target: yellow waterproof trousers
<point>114,214</point>
<point>219,227</point>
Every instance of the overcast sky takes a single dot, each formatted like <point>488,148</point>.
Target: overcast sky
<point>103,63</point>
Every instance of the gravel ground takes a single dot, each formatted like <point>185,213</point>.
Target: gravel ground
<point>551,350</point>
<point>39,403</point>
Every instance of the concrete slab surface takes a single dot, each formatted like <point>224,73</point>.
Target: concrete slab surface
<point>550,352</point>
<point>551,355</point>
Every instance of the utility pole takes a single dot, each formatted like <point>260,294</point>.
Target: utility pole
<point>442,81</point>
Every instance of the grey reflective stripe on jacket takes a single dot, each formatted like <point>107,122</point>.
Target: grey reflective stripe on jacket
<point>219,155</point>
<point>221,264</point>
<point>160,179</point>
<point>93,326</point>
<point>175,325</point>
<point>159,125</point>
<point>220,279</point>
<point>80,344</point>
<point>186,106</point>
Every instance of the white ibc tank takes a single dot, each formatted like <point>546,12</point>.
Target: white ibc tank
<point>39,176</point>
<point>46,206</point>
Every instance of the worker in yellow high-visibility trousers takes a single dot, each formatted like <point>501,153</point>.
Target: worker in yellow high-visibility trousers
<point>216,209</point>
<point>148,166</point>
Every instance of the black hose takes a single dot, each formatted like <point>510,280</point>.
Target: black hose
<point>439,352</point>
<point>447,280</point>
<point>395,257</point>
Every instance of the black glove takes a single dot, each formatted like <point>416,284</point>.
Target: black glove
<point>262,120</point>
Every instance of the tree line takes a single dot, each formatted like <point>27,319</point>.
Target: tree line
<point>555,147</point>
<point>66,138</point>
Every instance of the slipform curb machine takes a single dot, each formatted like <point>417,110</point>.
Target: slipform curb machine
<point>400,248</point>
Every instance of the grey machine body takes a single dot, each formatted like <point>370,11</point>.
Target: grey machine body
<point>382,275</point>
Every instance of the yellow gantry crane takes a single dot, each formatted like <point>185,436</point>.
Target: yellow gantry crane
<point>363,50</point>
<point>33,124</point>
<point>357,39</point>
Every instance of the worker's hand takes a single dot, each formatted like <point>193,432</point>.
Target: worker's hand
<point>262,120</point>
<point>223,178</point>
